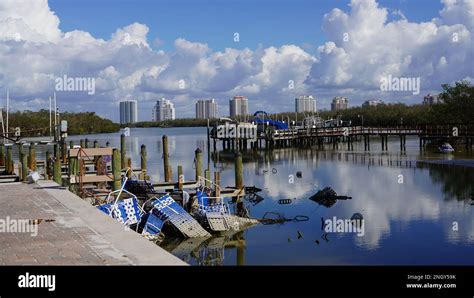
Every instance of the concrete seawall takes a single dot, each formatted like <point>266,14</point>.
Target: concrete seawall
<point>79,235</point>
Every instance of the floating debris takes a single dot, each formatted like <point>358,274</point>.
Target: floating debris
<point>317,241</point>
<point>325,237</point>
<point>300,235</point>
<point>285,201</point>
<point>278,218</point>
<point>252,189</point>
<point>253,198</point>
<point>327,197</point>
<point>168,210</point>
<point>140,188</point>
<point>215,215</point>
<point>124,210</point>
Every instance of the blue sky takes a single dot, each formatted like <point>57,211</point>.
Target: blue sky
<point>143,49</point>
<point>259,22</point>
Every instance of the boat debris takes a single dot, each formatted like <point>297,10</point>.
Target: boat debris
<point>300,235</point>
<point>327,197</point>
<point>446,148</point>
<point>285,201</point>
<point>271,217</point>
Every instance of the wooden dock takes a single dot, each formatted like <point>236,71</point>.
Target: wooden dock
<point>271,138</point>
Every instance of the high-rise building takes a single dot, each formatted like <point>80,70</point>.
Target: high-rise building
<point>339,103</point>
<point>430,99</point>
<point>305,103</point>
<point>206,109</point>
<point>163,110</point>
<point>128,111</point>
<point>373,103</point>
<point>239,106</point>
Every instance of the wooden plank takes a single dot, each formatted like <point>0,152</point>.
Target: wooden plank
<point>91,179</point>
<point>91,152</point>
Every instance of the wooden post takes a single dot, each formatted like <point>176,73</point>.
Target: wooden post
<point>32,157</point>
<point>57,166</point>
<point>217,183</point>
<point>143,161</point>
<point>24,167</point>
<point>96,144</point>
<point>239,180</point>
<point>198,163</point>
<point>9,161</point>
<point>107,144</point>
<point>48,165</point>
<point>180,178</point>
<point>87,143</point>
<point>63,150</point>
<point>82,143</point>
<point>116,169</point>
<point>166,165</point>
<point>207,175</point>
<point>240,250</point>
<point>123,151</point>
<point>2,154</point>
<point>129,166</point>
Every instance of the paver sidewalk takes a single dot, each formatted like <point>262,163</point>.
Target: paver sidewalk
<point>79,235</point>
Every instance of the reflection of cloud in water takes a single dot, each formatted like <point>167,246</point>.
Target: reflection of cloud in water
<point>381,199</point>
<point>278,185</point>
<point>465,222</point>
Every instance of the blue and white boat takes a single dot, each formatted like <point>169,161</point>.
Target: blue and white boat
<point>446,148</point>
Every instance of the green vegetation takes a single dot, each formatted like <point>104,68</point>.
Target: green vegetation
<point>457,107</point>
<point>37,123</point>
<point>183,122</point>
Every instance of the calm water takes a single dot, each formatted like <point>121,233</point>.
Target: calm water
<point>405,223</point>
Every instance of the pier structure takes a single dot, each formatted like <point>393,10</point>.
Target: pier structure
<point>300,137</point>
<point>92,170</point>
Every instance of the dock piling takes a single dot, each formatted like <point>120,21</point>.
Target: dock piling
<point>2,154</point>
<point>166,165</point>
<point>143,161</point>
<point>57,166</point>
<point>123,151</point>
<point>116,169</point>
<point>9,161</point>
<point>198,163</point>
<point>180,178</point>
<point>32,157</point>
<point>239,180</point>
<point>24,167</point>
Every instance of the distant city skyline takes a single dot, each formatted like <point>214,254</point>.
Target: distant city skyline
<point>164,110</point>
<point>139,50</point>
<point>207,109</point>
<point>305,103</point>
<point>128,111</point>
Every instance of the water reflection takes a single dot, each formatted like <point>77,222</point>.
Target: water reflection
<point>409,209</point>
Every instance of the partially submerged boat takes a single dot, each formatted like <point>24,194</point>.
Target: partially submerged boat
<point>446,148</point>
<point>215,215</point>
<point>327,197</point>
<point>138,206</point>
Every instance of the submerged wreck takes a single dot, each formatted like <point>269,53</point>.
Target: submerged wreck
<point>173,214</point>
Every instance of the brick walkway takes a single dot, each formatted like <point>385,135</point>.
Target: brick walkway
<point>80,234</point>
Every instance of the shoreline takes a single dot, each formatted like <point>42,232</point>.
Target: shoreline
<point>469,163</point>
